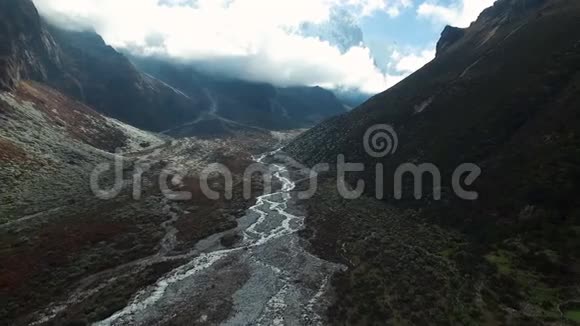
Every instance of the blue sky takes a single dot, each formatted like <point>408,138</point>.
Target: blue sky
<point>260,40</point>
<point>406,28</point>
<point>384,34</point>
<point>417,27</point>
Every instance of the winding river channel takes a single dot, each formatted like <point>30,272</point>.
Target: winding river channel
<point>267,279</point>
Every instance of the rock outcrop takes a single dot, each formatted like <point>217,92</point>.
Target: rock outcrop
<point>27,50</point>
<point>449,36</point>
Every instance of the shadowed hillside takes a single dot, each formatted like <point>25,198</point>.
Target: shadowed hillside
<point>82,66</point>
<point>503,94</point>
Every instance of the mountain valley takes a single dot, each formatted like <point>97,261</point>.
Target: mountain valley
<point>136,190</point>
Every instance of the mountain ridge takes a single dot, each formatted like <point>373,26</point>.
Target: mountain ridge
<point>35,51</point>
<point>255,104</point>
<point>150,94</point>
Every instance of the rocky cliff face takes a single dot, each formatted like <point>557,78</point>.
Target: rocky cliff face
<point>82,66</point>
<point>449,36</point>
<point>27,50</point>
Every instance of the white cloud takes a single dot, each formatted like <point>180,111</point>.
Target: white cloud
<point>391,7</point>
<point>411,61</point>
<point>460,13</point>
<point>252,39</point>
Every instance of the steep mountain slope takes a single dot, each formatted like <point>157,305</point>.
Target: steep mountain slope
<point>105,79</point>
<point>49,218</point>
<point>254,104</point>
<point>48,140</point>
<point>502,94</point>
<point>27,50</point>
<point>266,106</point>
<point>490,93</point>
<point>82,66</point>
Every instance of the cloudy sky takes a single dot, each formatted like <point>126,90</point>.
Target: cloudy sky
<point>265,40</point>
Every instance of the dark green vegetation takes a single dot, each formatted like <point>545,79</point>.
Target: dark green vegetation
<point>400,269</point>
<point>504,94</point>
<point>572,311</point>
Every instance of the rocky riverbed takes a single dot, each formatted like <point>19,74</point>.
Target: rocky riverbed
<point>267,278</point>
